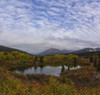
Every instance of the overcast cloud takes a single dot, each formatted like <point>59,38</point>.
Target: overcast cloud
<point>36,25</point>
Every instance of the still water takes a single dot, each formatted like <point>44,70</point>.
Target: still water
<point>47,70</point>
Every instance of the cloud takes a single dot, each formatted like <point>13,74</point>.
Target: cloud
<point>36,25</point>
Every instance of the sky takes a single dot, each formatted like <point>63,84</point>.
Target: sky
<point>37,25</point>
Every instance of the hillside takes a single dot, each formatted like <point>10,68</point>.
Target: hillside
<point>12,83</point>
<point>9,49</point>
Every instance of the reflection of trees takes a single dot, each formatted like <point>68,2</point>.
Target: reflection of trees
<point>21,69</point>
<point>35,68</point>
<point>69,58</point>
<point>68,68</point>
<point>41,69</point>
<point>62,69</point>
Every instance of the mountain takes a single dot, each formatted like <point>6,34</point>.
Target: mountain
<point>53,51</point>
<point>97,49</point>
<point>85,50</point>
<point>8,49</point>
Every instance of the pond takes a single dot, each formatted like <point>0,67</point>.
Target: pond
<point>47,70</point>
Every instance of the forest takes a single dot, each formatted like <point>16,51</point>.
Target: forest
<point>82,81</point>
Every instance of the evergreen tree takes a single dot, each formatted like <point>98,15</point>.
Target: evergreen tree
<point>41,62</point>
<point>91,59</point>
<point>41,59</point>
<point>95,63</point>
<point>75,62</point>
<point>35,59</point>
<point>98,67</point>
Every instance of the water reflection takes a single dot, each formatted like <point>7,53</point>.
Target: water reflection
<point>62,69</point>
<point>48,70</point>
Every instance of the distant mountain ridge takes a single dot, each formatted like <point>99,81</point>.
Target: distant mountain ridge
<point>8,49</point>
<point>86,50</point>
<point>53,51</point>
